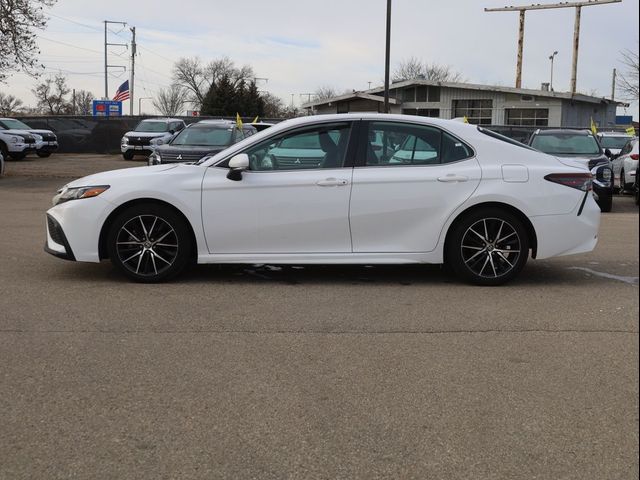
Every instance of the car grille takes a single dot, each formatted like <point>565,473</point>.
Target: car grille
<point>172,157</point>
<point>294,162</point>
<point>55,231</point>
<point>136,141</point>
<point>29,139</point>
<point>48,137</point>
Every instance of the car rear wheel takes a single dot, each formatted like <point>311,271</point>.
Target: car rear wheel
<point>605,202</point>
<point>149,243</point>
<point>44,154</point>
<point>487,247</point>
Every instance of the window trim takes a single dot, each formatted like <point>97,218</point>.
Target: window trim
<point>361,159</point>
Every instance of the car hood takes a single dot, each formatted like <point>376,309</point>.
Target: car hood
<point>146,134</point>
<point>107,178</point>
<point>40,132</point>
<point>20,133</point>
<point>168,148</point>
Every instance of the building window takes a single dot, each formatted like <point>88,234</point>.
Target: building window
<point>527,117</point>
<point>477,112</point>
<point>434,94</point>
<point>422,112</point>
<point>343,107</point>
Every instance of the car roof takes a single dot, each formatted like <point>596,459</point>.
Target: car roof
<point>215,121</point>
<point>614,134</point>
<point>163,120</point>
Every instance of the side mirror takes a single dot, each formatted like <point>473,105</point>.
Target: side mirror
<point>607,152</point>
<point>238,164</point>
<point>172,131</point>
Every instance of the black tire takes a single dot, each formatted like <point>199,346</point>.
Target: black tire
<point>605,203</point>
<point>17,156</point>
<point>149,243</point>
<point>4,151</point>
<point>494,262</point>
<point>622,183</point>
<point>44,154</point>
<point>128,155</point>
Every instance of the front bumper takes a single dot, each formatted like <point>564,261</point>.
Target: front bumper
<point>47,146</point>
<point>140,149</point>
<point>57,243</point>
<point>21,147</point>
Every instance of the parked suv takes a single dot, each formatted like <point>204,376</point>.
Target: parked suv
<point>156,130</point>
<point>198,140</point>
<point>17,143</point>
<point>614,141</point>
<point>582,146</point>
<point>46,140</point>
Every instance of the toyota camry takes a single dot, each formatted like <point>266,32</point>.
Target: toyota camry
<point>336,189</point>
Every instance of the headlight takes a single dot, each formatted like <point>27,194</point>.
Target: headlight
<point>76,193</point>
<point>124,141</point>
<point>37,137</point>
<point>15,139</point>
<point>159,141</point>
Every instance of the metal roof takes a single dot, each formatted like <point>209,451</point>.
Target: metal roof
<point>370,94</point>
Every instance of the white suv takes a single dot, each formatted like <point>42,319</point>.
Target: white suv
<point>46,140</point>
<point>628,160</point>
<point>148,134</point>
<point>17,143</point>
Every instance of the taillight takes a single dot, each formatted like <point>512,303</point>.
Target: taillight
<point>634,156</point>
<point>581,181</point>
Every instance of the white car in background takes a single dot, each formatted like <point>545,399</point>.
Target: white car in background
<point>613,141</point>
<point>627,164</point>
<point>481,206</point>
<point>46,140</point>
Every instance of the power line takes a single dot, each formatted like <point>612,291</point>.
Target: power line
<point>75,22</point>
<point>68,44</point>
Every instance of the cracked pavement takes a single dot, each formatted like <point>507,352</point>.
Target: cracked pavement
<point>315,372</point>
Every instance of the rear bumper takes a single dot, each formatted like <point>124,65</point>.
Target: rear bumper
<point>568,234</point>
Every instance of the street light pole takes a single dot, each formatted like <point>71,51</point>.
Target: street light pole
<point>386,59</point>
<point>551,57</point>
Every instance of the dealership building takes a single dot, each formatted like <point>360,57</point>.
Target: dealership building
<point>481,104</point>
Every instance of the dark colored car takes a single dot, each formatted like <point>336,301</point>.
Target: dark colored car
<point>583,146</point>
<point>199,140</point>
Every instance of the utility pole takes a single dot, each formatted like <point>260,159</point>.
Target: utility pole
<point>386,59</point>
<point>133,68</point>
<point>576,31</point>
<point>106,63</point>
<point>73,100</point>
<point>551,57</point>
<point>613,85</point>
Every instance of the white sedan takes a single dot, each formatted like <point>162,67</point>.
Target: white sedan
<point>480,203</point>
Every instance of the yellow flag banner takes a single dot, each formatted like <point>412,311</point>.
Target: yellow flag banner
<point>238,121</point>
<point>594,129</point>
<point>631,131</point>
<point>255,120</point>
<point>465,119</point>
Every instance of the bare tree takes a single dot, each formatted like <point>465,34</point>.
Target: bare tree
<point>9,105</point>
<point>170,101</point>
<point>628,80</point>
<point>273,106</point>
<point>18,49</point>
<point>83,102</point>
<point>325,92</point>
<point>414,68</point>
<point>197,78</point>
<point>51,94</point>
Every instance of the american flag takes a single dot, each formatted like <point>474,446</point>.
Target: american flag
<point>123,92</point>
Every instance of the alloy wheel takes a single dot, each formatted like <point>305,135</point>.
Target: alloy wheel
<point>147,245</point>
<point>491,247</point>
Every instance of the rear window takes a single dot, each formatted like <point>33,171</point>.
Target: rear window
<point>566,144</point>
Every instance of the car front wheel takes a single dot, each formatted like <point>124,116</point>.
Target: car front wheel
<point>487,247</point>
<point>149,243</point>
<point>44,154</point>
<point>128,155</point>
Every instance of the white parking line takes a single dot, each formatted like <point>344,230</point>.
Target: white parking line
<point>620,278</point>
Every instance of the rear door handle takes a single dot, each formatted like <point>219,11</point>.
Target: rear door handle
<point>332,182</point>
<point>453,178</point>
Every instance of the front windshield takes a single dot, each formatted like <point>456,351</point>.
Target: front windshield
<point>11,124</point>
<point>205,135</point>
<point>614,142</point>
<point>566,144</point>
<point>151,127</point>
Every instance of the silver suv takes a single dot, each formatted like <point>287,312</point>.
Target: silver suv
<point>148,134</point>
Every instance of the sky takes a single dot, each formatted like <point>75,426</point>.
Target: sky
<point>300,45</point>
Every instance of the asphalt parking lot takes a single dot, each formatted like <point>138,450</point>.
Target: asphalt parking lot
<point>317,372</point>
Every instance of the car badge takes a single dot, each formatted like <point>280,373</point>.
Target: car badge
<point>297,160</point>
<point>139,139</point>
<point>179,157</point>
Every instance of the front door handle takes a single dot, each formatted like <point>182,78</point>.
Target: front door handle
<point>453,178</point>
<point>332,182</point>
